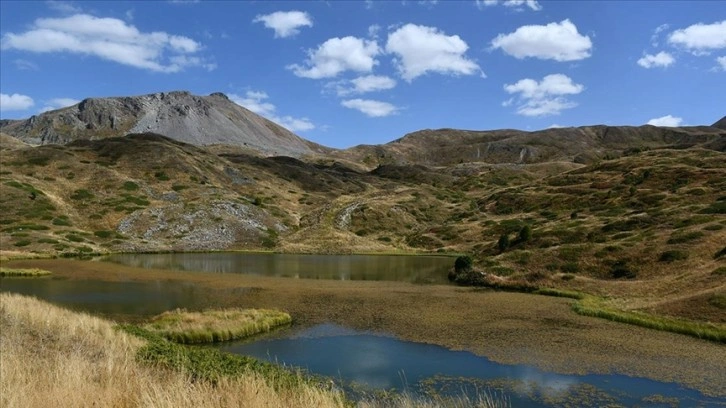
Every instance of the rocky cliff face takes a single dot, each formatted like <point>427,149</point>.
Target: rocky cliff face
<point>198,120</point>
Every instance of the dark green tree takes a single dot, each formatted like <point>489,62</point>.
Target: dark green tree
<point>503,243</point>
<point>463,264</point>
<point>525,234</point>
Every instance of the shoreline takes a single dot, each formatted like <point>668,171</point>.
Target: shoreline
<point>506,327</point>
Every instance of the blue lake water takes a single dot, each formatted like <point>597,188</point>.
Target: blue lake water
<point>380,362</point>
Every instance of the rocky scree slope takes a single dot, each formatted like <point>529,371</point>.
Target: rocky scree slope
<point>197,120</point>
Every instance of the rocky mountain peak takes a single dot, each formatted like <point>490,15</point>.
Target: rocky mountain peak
<point>180,115</point>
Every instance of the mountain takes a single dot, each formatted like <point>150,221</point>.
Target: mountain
<point>197,120</point>
<point>721,124</point>
<point>585,144</point>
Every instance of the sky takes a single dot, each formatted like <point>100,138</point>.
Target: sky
<point>343,73</point>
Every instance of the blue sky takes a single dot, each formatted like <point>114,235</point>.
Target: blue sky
<point>348,73</point>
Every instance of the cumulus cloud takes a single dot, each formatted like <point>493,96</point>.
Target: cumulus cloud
<point>556,41</point>
<point>654,39</point>
<point>661,59</point>
<point>110,39</point>
<point>517,4</point>
<point>374,109</point>
<point>285,23</point>
<point>543,98</point>
<point>15,102</point>
<point>700,38</point>
<point>58,103</point>
<point>257,102</point>
<point>420,50</point>
<point>337,55</point>
<point>363,84</point>
<point>666,121</point>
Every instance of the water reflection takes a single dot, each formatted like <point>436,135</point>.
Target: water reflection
<point>420,269</point>
<point>380,362</point>
<point>114,298</point>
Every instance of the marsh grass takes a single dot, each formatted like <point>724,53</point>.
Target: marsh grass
<point>23,272</point>
<point>588,305</point>
<point>215,325</point>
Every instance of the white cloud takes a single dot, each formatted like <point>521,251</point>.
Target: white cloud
<point>373,31</point>
<point>654,39</point>
<point>25,65</point>
<point>58,103</point>
<point>661,59</point>
<point>516,4</point>
<point>666,121</point>
<point>374,109</point>
<point>364,84</point>
<point>15,102</point>
<point>543,98</point>
<point>107,38</point>
<point>722,62</point>
<point>63,7</point>
<point>285,23</point>
<point>421,49</point>
<point>700,38</point>
<point>256,101</point>
<point>556,41</point>
<point>337,55</point>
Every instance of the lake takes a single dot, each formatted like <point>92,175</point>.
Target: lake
<point>417,269</point>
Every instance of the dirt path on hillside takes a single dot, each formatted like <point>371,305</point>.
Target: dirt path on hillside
<point>509,328</point>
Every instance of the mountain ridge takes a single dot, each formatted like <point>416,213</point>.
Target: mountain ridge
<point>197,120</point>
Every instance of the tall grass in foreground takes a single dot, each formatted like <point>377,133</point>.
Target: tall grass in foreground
<point>215,325</point>
<point>51,356</point>
<point>483,400</point>
<point>588,305</point>
<point>23,272</point>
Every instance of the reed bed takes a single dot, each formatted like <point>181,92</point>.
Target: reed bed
<point>32,272</point>
<point>215,325</point>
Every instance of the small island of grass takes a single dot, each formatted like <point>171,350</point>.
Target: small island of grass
<point>23,272</point>
<point>215,325</point>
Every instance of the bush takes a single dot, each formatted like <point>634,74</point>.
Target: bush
<point>81,195</point>
<point>620,269</point>
<point>463,264</point>
<point>720,253</point>
<point>161,176</point>
<point>130,186</point>
<point>673,255</point>
<point>503,242</point>
<point>525,234</point>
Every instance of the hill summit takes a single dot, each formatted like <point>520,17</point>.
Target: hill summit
<point>197,120</point>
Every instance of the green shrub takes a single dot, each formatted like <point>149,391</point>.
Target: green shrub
<point>179,187</point>
<point>103,234</point>
<point>463,264</point>
<point>503,242</point>
<point>687,237</point>
<point>672,256</point>
<point>74,238</point>
<point>22,243</point>
<point>525,234</point>
<point>620,269</point>
<point>720,253</point>
<point>161,176</point>
<point>81,194</point>
<point>130,186</point>
<point>720,271</point>
<point>62,220</point>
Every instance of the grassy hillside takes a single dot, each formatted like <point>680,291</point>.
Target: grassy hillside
<point>645,228</point>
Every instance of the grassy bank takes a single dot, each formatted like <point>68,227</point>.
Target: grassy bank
<point>215,325</point>
<point>588,305</point>
<point>30,272</point>
<point>50,354</point>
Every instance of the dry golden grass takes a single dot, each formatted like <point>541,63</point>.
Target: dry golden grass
<point>50,355</point>
<point>216,325</point>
